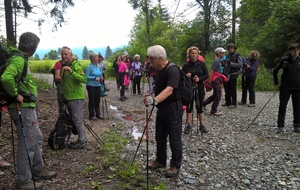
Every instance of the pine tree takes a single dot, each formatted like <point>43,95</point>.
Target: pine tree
<point>108,52</point>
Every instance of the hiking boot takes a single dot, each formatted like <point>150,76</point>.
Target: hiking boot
<point>279,130</point>
<point>297,129</point>
<point>225,104</point>
<point>93,118</point>
<point>122,99</point>
<point>99,117</point>
<point>44,174</point>
<point>155,165</point>
<point>241,103</point>
<point>187,129</point>
<point>172,171</point>
<point>78,144</point>
<point>232,106</point>
<point>125,97</point>
<point>29,185</point>
<point>203,129</point>
<point>251,105</point>
<point>218,113</point>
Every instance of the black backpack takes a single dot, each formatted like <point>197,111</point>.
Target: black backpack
<point>185,86</point>
<point>5,98</point>
<point>60,135</point>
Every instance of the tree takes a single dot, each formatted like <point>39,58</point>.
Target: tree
<point>36,57</point>
<point>85,53</point>
<point>108,52</point>
<point>26,8</point>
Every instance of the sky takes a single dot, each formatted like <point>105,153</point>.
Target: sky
<point>93,23</point>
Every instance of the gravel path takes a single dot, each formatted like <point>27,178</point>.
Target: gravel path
<point>228,157</point>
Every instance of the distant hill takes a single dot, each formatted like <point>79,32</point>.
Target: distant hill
<point>76,51</point>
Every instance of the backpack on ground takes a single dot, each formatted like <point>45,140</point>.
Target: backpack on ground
<point>185,86</point>
<point>5,98</point>
<point>60,135</point>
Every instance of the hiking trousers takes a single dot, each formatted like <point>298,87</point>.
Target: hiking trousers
<point>284,97</point>
<point>169,123</point>
<point>75,108</point>
<point>34,139</point>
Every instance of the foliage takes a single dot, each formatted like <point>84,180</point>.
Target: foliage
<point>108,52</point>
<point>41,84</point>
<point>51,55</point>
<point>85,53</point>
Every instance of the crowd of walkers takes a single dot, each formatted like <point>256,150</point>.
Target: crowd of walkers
<point>163,93</point>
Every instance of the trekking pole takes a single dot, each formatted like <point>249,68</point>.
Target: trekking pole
<point>197,106</point>
<point>102,106</point>
<point>25,142</point>
<point>147,122</point>
<point>98,139</point>
<point>261,110</point>
<point>13,145</point>
<point>147,149</point>
<point>106,109</point>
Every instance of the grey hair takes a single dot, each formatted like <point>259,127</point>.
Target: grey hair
<point>92,55</point>
<point>28,42</point>
<point>157,51</point>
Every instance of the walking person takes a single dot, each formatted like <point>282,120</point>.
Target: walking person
<point>136,68</point>
<point>169,113</point>
<point>215,80</point>
<point>289,86</point>
<point>250,66</point>
<point>93,73</point>
<point>73,77</point>
<point>233,65</point>
<point>116,69</point>
<point>197,71</point>
<point>124,78</point>
<point>26,123</point>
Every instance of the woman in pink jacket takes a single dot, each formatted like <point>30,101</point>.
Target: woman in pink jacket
<point>124,80</point>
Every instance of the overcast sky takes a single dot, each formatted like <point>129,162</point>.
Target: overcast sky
<point>95,23</point>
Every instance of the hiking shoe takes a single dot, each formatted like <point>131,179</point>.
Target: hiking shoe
<point>279,130</point>
<point>3,163</point>
<point>232,106</point>
<point>218,113</point>
<point>155,165</point>
<point>251,105</point>
<point>29,185</point>
<point>187,129</point>
<point>297,129</point>
<point>122,99</point>
<point>93,118</point>
<point>241,103</point>
<point>225,104</point>
<point>78,144</point>
<point>99,117</point>
<point>172,171</point>
<point>203,129</point>
<point>125,97</point>
<point>44,174</point>
<point>2,174</point>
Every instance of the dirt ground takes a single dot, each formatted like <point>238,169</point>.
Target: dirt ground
<point>69,164</point>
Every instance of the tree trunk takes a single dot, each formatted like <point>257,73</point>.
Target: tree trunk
<point>147,22</point>
<point>11,39</point>
<point>207,15</point>
<point>233,20</point>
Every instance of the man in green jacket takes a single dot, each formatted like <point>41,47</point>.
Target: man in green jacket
<point>26,94</point>
<point>73,77</point>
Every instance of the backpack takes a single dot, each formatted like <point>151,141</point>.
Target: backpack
<point>185,86</point>
<point>5,98</point>
<point>60,135</point>
<point>53,73</point>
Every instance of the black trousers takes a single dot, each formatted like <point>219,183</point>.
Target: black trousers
<point>94,94</point>
<point>169,123</point>
<point>198,97</point>
<point>248,85</point>
<point>137,84</point>
<point>230,92</point>
<point>284,96</point>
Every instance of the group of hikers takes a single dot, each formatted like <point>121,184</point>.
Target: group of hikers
<point>164,94</point>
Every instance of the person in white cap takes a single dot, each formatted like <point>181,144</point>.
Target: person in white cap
<point>215,80</point>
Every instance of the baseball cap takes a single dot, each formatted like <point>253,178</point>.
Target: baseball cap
<point>220,50</point>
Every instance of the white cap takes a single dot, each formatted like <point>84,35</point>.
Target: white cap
<point>220,50</point>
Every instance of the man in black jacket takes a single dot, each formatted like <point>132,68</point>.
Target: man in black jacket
<point>290,85</point>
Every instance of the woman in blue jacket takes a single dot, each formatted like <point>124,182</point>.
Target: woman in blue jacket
<point>93,73</point>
